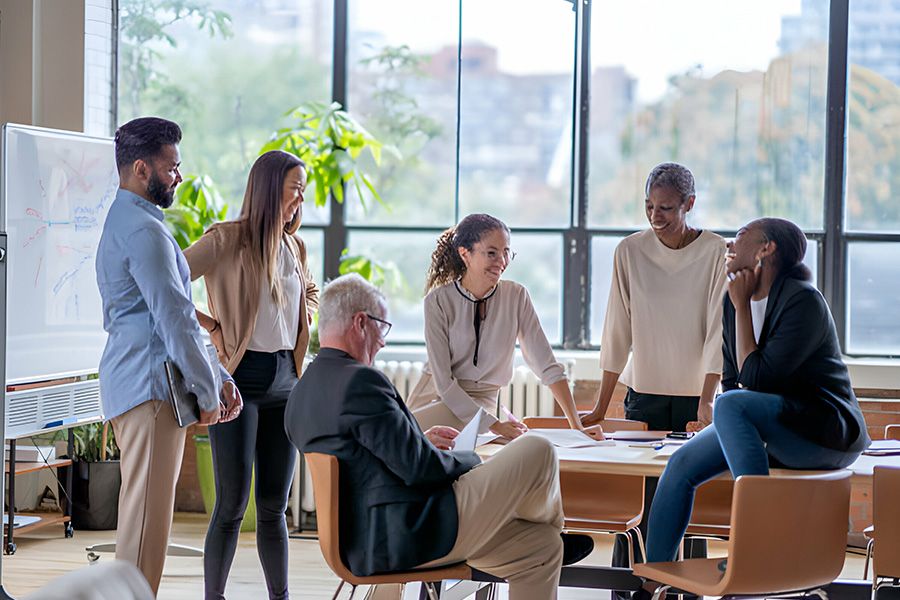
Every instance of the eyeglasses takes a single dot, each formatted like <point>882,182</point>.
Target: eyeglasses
<point>492,255</point>
<point>384,327</point>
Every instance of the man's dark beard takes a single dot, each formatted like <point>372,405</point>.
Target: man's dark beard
<point>158,193</point>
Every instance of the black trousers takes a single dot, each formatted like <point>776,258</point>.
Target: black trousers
<point>256,438</point>
<point>660,413</point>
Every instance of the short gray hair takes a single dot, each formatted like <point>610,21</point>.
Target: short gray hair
<point>674,176</point>
<point>344,297</point>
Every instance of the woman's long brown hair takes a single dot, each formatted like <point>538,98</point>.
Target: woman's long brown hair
<point>262,227</point>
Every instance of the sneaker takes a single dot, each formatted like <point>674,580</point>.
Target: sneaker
<point>575,547</point>
<point>723,564</point>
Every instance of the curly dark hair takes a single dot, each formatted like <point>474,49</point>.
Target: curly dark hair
<point>446,263</point>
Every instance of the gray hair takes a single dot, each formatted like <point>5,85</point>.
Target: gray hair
<point>674,176</point>
<point>344,297</point>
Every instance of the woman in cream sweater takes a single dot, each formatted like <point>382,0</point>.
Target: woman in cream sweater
<point>662,336</point>
<point>262,299</point>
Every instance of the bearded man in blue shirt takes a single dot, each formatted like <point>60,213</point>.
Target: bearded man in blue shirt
<point>148,313</point>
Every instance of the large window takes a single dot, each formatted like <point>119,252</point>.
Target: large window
<point>227,72</point>
<point>872,212</point>
<point>550,114</point>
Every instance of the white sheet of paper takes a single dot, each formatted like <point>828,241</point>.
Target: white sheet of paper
<point>569,438</point>
<point>468,437</point>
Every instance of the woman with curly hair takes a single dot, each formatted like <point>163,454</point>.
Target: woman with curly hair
<point>473,319</point>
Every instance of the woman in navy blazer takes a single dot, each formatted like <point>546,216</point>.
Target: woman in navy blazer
<point>787,399</point>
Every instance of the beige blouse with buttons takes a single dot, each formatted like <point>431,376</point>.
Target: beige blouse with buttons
<point>450,340</point>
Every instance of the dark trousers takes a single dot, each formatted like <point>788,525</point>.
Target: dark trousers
<point>255,439</point>
<point>660,413</point>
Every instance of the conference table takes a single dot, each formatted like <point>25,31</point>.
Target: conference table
<point>633,458</point>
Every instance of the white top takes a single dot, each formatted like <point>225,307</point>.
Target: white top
<point>276,326</point>
<point>665,307</point>
<point>758,315</point>
<point>450,340</point>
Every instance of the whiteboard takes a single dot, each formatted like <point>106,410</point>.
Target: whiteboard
<point>57,188</point>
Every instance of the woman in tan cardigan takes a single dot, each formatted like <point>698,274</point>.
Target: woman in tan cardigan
<point>261,299</point>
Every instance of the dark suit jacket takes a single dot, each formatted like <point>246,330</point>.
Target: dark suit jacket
<point>397,507</point>
<point>798,357</point>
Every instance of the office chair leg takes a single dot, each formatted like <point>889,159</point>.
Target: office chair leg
<point>822,594</point>
<point>640,539</point>
<point>628,536</point>
<point>338,590</point>
<point>660,592</point>
<point>432,594</point>
<point>869,547</point>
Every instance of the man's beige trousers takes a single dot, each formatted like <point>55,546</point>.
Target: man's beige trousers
<point>151,444</point>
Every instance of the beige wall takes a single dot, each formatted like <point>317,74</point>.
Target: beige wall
<point>42,63</point>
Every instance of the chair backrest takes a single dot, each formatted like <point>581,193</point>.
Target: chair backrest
<point>787,533</point>
<point>886,518</point>
<point>562,423</point>
<point>712,503</point>
<point>892,432</point>
<point>324,471</point>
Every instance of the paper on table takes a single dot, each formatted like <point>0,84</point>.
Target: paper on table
<point>468,437</point>
<point>883,448</point>
<point>569,438</point>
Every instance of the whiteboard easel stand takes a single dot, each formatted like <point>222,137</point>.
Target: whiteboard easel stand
<point>3,594</point>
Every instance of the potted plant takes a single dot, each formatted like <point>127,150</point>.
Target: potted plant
<point>96,477</point>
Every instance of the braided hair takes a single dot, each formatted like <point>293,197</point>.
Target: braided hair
<point>446,263</point>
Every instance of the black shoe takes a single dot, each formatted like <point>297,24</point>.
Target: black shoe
<point>575,547</point>
<point>641,594</point>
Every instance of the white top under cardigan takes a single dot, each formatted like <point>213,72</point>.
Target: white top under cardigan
<point>450,341</point>
<point>665,308</point>
<point>277,326</point>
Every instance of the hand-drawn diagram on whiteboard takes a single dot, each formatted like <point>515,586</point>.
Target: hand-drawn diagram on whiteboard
<point>58,189</point>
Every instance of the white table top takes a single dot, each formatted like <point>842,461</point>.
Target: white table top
<point>624,459</point>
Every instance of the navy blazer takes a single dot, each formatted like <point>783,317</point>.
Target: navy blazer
<point>798,357</point>
<point>397,506</point>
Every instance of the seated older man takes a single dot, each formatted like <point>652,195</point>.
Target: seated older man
<point>407,503</point>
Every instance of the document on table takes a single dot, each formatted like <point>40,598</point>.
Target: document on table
<point>468,437</point>
<point>883,448</point>
<point>569,438</point>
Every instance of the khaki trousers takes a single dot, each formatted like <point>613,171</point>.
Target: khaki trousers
<point>429,410</point>
<point>151,444</point>
<point>510,518</point>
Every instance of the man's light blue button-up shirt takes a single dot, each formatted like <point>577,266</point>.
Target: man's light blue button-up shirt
<point>145,286</point>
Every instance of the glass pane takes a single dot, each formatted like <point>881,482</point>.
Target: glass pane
<point>226,72</point>
<point>315,253</point>
<point>733,90</point>
<point>873,145</point>
<point>602,250</point>
<point>402,73</point>
<point>872,291</point>
<point>811,260</point>
<point>538,266</point>
<point>516,111</point>
<point>410,255</point>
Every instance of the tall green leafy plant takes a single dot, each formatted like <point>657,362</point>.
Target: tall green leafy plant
<point>330,142</point>
<point>198,204</point>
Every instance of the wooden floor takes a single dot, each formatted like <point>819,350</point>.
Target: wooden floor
<point>46,554</point>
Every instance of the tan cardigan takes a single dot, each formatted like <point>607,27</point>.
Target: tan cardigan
<point>232,287</point>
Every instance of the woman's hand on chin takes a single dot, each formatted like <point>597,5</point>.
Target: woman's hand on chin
<point>742,285</point>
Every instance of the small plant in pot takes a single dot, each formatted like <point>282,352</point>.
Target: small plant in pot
<point>96,477</point>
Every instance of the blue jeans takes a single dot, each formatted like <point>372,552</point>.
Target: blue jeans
<point>745,432</point>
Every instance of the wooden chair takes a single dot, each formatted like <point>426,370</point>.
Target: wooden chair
<point>788,535</point>
<point>886,517</point>
<point>891,432</point>
<point>325,478</point>
<point>599,502</point>
<point>711,516</point>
